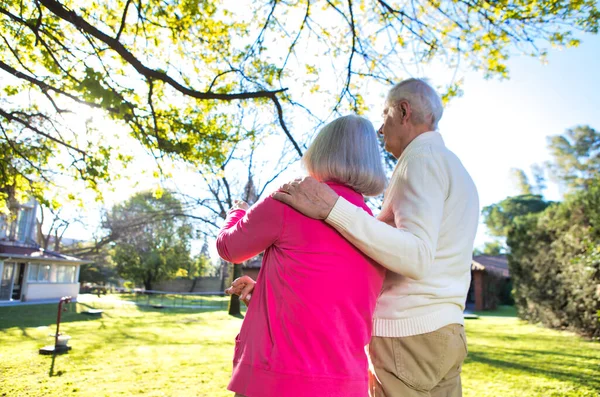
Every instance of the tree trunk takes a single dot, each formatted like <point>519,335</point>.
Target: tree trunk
<point>57,242</point>
<point>234,302</point>
<point>194,284</point>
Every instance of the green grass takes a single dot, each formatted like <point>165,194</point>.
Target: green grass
<point>501,311</point>
<point>508,357</point>
<point>135,351</point>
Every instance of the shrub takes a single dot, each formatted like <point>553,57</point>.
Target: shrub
<point>128,285</point>
<point>554,262</point>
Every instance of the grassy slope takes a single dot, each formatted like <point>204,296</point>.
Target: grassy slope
<point>132,351</point>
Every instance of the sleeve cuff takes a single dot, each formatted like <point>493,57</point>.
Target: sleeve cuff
<point>341,214</point>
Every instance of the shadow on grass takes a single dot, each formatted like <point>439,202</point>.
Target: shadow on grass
<point>31,316</point>
<point>553,370</point>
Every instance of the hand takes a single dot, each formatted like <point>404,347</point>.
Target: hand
<point>240,205</point>
<point>242,286</point>
<point>309,196</point>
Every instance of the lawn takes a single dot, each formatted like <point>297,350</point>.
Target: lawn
<point>136,351</point>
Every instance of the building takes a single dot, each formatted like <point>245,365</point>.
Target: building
<point>28,272</point>
<point>490,282</point>
<point>252,266</point>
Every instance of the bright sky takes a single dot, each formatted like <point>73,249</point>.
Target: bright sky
<point>498,125</point>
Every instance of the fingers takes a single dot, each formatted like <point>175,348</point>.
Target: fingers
<point>286,187</point>
<point>241,284</point>
<point>246,291</point>
<point>242,281</point>
<point>234,290</point>
<point>246,300</point>
<point>283,197</point>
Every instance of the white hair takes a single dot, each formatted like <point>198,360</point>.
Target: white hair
<point>347,151</point>
<point>425,102</point>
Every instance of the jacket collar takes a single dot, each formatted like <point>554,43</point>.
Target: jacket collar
<point>426,138</point>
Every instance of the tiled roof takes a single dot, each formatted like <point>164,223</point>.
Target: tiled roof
<point>35,254</point>
<point>491,263</point>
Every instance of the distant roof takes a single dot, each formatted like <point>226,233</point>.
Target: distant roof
<point>492,263</point>
<point>35,254</point>
<point>254,263</point>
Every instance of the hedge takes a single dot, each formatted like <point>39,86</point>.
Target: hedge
<point>554,262</point>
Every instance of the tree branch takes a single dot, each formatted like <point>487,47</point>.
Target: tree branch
<point>84,26</point>
<point>123,18</point>
<point>12,117</point>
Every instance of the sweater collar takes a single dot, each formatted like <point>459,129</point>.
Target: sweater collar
<point>426,138</point>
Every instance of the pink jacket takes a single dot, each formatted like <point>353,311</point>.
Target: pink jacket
<point>311,311</point>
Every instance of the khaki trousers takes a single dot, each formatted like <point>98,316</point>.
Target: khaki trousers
<point>426,365</point>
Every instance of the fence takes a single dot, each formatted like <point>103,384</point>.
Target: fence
<point>201,284</point>
<point>191,300</point>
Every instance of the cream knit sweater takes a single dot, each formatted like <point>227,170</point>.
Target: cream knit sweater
<point>424,235</point>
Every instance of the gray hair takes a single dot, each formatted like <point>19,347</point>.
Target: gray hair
<point>425,102</point>
<point>347,151</point>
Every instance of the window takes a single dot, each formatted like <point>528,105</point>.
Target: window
<point>44,273</point>
<point>3,226</point>
<point>64,274</point>
<point>61,274</point>
<point>33,272</point>
<point>72,273</point>
<point>23,228</point>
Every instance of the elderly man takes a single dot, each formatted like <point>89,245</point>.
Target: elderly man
<point>424,236</point>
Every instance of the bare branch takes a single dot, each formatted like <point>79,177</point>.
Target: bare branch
<point>12,117</point>
<point>123,18</point>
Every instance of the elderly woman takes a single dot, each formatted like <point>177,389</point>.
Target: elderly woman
<point>301,337</point>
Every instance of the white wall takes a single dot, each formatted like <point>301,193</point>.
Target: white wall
<point>37,291</point>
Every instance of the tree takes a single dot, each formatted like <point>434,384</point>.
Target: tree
<point>554,263</point>
<point>576,157</point>
<point>500,217</point>
<point>539,178</point>
<point>156,242</point>
<point>56,218</point>
<point>59,57</point>
<point>521,180</point>
<point>102,270</point>
<point>493,248</point>
<point>200,266</point>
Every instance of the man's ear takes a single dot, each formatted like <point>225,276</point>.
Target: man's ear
<point>404,108</point>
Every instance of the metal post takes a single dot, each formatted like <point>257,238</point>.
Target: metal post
<point>56,348</point>
<point>64,299</point>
